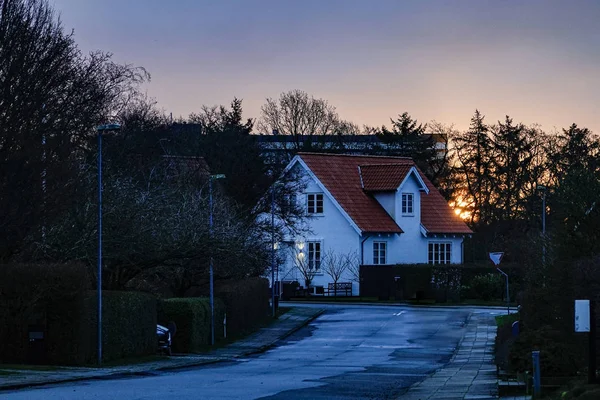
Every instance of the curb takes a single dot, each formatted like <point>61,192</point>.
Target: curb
<point>125,374</point>
<point>266,347</point>
<point>299,303</point>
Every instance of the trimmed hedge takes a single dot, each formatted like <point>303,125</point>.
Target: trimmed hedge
<point>246,302</point>
<point>55,299</point>
<point>192,319</point>
<point>45,298</point>
<point>128,324</point>
<point>450,282</point>
<point>561,353</point>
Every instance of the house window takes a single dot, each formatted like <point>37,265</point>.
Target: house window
<point>407,203</point>
<point>314,256</point>
<point>379,252</point>
<point>315,203</point>
<point>439,253</point>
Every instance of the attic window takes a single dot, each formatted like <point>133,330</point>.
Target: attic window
<point>407,204</point>
<point>315,203</point>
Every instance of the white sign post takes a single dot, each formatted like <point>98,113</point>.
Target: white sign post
<point>496,258</point>
<point>585,321</point>
<point>582,315</point>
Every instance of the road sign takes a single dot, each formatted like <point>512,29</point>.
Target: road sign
<point>496,257</point>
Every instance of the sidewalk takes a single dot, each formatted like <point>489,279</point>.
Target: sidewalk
<point>471,372</point>
<point>258,342</point>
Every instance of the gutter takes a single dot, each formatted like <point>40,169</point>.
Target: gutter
<point>362,250</point>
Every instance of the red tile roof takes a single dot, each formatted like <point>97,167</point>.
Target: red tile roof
<point>383,177</point>
<point>341,176</point>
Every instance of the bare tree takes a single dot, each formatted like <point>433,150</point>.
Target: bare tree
<point>51,97</point>
<point>297,114</point>
<point>335,265</point>
<point>353,269</point>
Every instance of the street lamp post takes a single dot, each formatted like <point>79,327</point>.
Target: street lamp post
<point>211,274</point>
<point>101,129</point>
<point>273,249</point>
<point>543,189</point>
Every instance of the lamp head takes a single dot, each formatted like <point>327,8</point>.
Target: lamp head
<point>108,127</point>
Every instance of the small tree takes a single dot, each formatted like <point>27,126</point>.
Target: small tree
<point>335,265</point>
<point>353,266</point>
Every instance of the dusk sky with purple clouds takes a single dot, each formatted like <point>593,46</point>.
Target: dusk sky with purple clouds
<point>537,61</point>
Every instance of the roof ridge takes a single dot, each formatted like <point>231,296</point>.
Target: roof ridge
<point>352,155</point>
<point>386,165</point>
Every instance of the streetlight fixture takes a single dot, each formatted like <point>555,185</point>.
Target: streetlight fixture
<point>101,129</point>
<point>210,223</point>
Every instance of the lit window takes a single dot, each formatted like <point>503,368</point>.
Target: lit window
<point>379,252</point>
<point>407,203</point>
<point>439,253</point>
<point>315,203</point>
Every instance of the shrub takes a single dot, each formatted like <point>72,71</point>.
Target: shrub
<point>485,287</point>
<point>128,324</point>
<point>55,299</point>
<point>560,353</point>
<point>192,319</point>
<point>246,303</point>
<point>47,298</point>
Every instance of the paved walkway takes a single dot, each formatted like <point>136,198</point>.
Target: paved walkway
<point>258,342</point>
<point>471,372</point>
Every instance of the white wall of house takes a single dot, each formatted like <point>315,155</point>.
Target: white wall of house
<point>410,248</point>
<point>334,231</point>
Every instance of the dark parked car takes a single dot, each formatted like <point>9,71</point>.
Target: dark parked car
<point>163,334</point>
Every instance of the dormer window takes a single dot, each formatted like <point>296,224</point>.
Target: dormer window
<point>315,203</point>
<point>407,204</point>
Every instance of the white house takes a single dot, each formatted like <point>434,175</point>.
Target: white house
<point>381,209</point>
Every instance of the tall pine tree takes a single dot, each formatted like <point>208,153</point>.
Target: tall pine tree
<point>407,138</point>
<point>474,154</point>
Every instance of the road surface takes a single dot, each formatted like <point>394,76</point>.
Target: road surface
<point>350,352</point>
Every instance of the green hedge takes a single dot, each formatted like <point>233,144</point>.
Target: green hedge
<point>56,299</point>
<point>561,353</point>
<point>128,324</point>
<point>246,302</point>
<point>192,319</point>
<point>451,282</point>
<point>47,298</point>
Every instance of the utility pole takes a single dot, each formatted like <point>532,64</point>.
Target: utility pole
<point>273,249</point>
<point>211,273</point>
<point>101,129</point>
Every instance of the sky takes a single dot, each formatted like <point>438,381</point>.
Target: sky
<point>537,61</point>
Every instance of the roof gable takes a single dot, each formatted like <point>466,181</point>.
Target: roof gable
<point>388,177</point>
<point>339,174</point>
<point>299,161</point>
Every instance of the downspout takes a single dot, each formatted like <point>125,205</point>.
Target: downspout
<point>362,250</point>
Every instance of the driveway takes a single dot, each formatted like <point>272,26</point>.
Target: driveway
<point>350,352</point>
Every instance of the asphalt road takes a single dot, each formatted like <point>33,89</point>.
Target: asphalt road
<point>350,352</point>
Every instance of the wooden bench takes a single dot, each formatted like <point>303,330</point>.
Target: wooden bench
<point>339,289</point>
